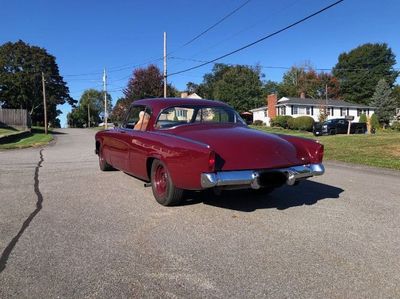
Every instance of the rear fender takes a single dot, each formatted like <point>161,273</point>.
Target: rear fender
<point>308,150</point>
<point>185,159</point>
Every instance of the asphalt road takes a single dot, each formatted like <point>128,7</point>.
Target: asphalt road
<point>68,230</point>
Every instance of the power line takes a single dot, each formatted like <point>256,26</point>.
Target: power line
<point>261,39</point>
<point>221,41</point>
<point>212,26</point>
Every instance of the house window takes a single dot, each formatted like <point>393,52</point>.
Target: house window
<point>328,111</point>
<point>283,110</point>
<point>266,112</point>
<point>308,110</point>
<point>295,110</point>
<point>341,111</point>
<point>181,113</point>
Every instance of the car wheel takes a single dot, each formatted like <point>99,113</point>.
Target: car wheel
<point>163,188</point>
<point>104,166</point>
<point>332,132</point>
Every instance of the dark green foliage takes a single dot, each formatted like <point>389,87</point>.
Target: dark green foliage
<point>395,126</point>
<point>240,86</point>
<point>363,118</point>
<point>271,87</point>
<point>396,94</point>
<point>374,121</point>
<point>360,70</point>
<point>302,123</point>
<point>383,101</point>
<point>94,100</point>
<point>21,66</point>
<point>258,122</point>
<point>280,121</point>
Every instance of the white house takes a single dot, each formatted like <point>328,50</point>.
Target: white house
<point>308,107</point>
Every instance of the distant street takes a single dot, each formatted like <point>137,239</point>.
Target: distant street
<point>69,230</point>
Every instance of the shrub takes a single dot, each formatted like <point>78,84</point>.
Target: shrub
<point>303,123</point>
<point>258,122</point>
<point>374,121</point>
<point>280,121</point>
<point>291,123</point>
<point>363,118</point>
<point>395,126</point>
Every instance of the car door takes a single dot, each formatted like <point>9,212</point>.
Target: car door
<point>120,145</point>
<point>132,141</point>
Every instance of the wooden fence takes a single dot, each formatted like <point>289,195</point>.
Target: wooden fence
<point>16,118</point>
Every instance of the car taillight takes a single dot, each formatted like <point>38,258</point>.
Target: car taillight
<point>211,161</point>
<point>319,154</point>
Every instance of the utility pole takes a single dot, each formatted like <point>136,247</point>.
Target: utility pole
<point>44,103</point>
<point>326,98</point>
<point>165,64</point>
<point>105,98</point>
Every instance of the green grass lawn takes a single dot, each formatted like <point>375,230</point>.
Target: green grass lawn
<point>381,149</point>
<point>7,131</point>
<point>37,138</point>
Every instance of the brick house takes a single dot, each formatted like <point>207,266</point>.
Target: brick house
<point>296,107</point>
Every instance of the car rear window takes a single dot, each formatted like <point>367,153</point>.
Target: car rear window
<point>179,115</point>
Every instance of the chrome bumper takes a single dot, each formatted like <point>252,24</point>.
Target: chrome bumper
<point>250,178</point>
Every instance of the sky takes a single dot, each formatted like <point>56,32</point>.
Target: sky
<point>87,36</point>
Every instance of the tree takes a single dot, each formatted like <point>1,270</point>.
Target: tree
<point>240,86</point>
<point>21,66</point>
<point>95,100</point>
<point>120,108</point>
<point>192,87</point>
<point>374,121</point>
<point>360,70</point>
<point>206,88</point>
<point>271,87</point>
<point>396,94</point>
<point>383,101</point>
<point>147,83</point>
<point>363,118</point>
<point>306,80</point>
<point>91,103</point>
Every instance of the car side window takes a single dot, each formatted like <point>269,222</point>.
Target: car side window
<point>137,118</point>
<point>341,122</point>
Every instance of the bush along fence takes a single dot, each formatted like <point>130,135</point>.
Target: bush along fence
<point>15,118</point>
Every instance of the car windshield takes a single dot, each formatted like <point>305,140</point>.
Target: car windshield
<point>181,115</point>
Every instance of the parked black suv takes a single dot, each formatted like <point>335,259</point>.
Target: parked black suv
<point>338,126</point>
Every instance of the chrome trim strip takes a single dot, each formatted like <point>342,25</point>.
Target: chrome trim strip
<point>250,177</point>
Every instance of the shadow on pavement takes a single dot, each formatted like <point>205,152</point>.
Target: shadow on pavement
<point>306,193</point>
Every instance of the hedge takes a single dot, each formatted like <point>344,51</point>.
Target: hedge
<point>280,121</point>
<point>302,123</point>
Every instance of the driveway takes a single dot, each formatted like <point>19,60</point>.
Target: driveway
<point>68,230</point>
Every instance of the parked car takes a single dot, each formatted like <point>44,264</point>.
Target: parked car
<point>187,144</point>
<point>338,126</point>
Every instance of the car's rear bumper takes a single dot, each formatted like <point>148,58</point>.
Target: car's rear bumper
<point>252,178</point>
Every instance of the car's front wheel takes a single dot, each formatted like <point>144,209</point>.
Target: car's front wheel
<point>163,188</point>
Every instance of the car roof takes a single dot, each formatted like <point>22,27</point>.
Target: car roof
<point>161,103</point>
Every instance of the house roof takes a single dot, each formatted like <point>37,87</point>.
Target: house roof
<point>258,109</point>
<point>317,102</point>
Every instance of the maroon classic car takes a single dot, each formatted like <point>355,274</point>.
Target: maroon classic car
<point>187,144</point>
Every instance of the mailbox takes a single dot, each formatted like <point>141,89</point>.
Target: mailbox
<point>349,117</point>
